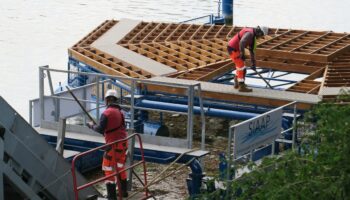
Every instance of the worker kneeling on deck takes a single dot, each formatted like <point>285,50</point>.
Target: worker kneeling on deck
<point>246,38</point>
<point>112,126</point>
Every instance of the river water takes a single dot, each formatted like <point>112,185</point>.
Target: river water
<point>37,32</point>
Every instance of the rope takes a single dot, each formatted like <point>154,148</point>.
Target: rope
<point>143,184</point>
<point>154,181</point>
<point>172,163</point>
<point>159,177</point>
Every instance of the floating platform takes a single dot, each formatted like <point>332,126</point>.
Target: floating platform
<point>174,52</point>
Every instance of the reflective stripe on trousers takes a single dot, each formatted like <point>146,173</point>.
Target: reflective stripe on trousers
<point>108,163</point>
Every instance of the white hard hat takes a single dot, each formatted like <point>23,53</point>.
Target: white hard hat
<point>264,29</point>
<point>111,93</point>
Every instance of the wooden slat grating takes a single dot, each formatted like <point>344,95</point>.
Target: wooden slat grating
<point>96,33</point>
<point>338,73</point>
<point>112,62</point>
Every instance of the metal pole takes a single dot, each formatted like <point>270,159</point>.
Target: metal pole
<point>61,136</point>
<point>84,104</point>
<point>41,94</point>
<point>219,5</point>
<point>230,132</point>
<point>81,106</point>
<point>228,168</point>
<point>294,126</point>
<point>103,88</point>
<point>227,11</point>
<point>190,117</point>
<point>202,116</point>
<point>131,131</point>
<point>49,79</point>
<point>54,101</point>
<point>31,112</point>
<point>273,148</point>
<point>267,83</point>
<point>97,98</point>
<point>57,109</point>
<point>121,96</point>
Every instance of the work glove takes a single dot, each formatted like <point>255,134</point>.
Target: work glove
<point>90,124</point>
<point>253,67</point>
<point>242,56</point>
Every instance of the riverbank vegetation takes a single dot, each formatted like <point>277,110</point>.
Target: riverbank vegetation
<point>319,168</point>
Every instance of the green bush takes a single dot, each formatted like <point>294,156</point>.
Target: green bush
<point>319,170</point>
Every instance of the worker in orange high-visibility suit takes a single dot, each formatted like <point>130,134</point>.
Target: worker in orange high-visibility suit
<point>112,126</point>
<point>246,38</point>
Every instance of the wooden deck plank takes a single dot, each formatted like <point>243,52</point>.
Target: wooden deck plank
<point>108,43</point>
<point>325,91</point>
<point>215,73</point>
<point>147,146</point>
<point>136,59</point>
<point>295,55</point>
<point>226,92</point>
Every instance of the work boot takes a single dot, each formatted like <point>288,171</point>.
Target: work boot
<point>236,83</point>
<point>111,191</point>
<point>124,187</point>
<point>243,88</point>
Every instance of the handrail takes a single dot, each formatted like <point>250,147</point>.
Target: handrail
<point>197,18</point>
<point>121,77</point>
<point>134,84</point>
<point>117,172</point>
<point>134,81</point>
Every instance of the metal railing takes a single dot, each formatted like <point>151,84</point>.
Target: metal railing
<point>192,90</point>
<point>198,19</point>
<point>231,136</point>
<point>116,173</point>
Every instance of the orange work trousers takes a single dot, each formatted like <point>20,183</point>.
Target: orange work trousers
<point>110,161</point>
<point>239,65</point>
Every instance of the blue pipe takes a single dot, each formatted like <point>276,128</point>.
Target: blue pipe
<point>209,112</point>
<point>232,106</point>
<point>122,85</point>
<point>196,167</point>
<point>286,123</point>
<point>195,181</point>
<point>227,11</point>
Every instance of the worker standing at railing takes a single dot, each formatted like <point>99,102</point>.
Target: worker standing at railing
<point>112,126</point>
